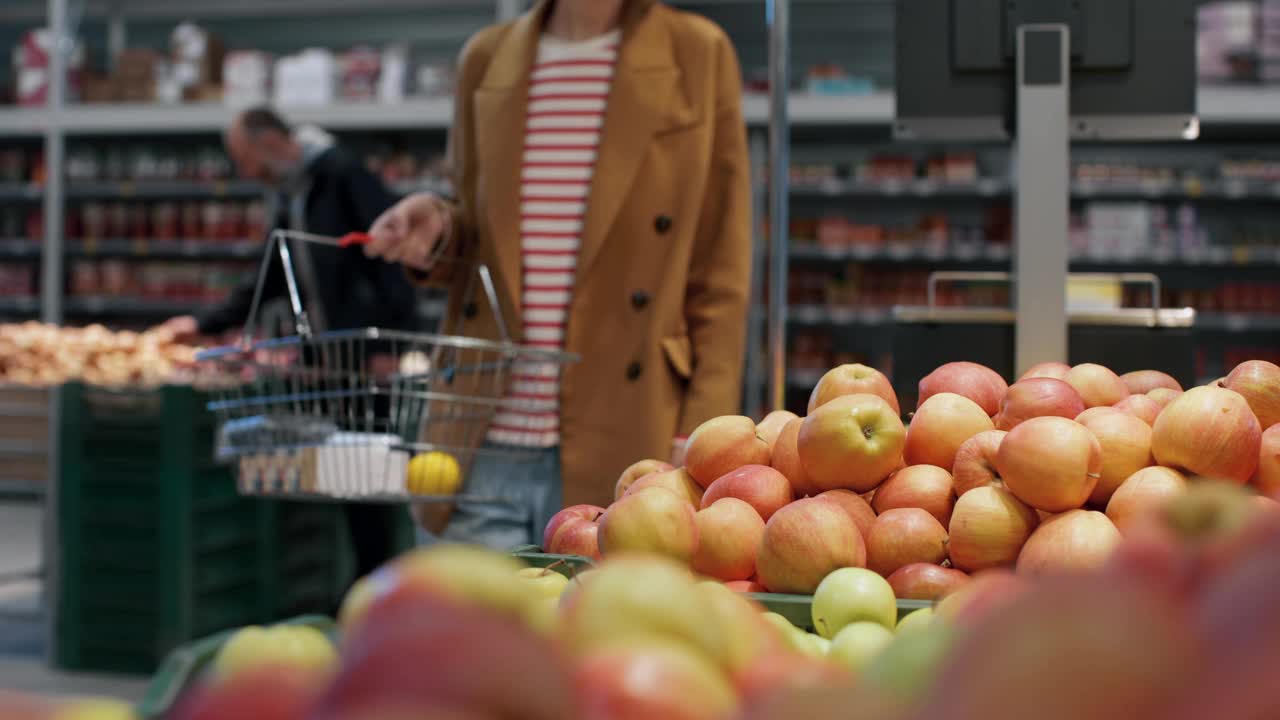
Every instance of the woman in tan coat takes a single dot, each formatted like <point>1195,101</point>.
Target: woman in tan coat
<point>601,173</point>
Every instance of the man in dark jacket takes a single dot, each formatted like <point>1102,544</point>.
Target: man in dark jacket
<point>317,187</point>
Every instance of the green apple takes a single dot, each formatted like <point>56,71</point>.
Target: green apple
<point>857,643</point>
<point>543,583</point>
<point>294,646</point>
<point>748,635</point>
<point>908,667</point>
<point>815,645</point>
<point>915,620</point>
<point>96,710</point>
<point>850,595</point>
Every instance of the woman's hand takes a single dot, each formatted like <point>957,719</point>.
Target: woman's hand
<point>411,232</point>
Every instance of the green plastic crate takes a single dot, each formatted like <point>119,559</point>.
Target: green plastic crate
<point>158,548</point>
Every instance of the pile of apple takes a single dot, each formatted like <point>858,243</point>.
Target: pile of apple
<point>1042,475</point>
<point>20,706</point>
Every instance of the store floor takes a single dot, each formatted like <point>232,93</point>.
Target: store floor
<point>22,630</point>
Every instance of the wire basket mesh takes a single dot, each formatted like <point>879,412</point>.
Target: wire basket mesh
<point>371,414</point>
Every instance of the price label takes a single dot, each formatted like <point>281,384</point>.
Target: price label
<point>219,188</point>
<point>1241,255</point>
<point>90,245</point>
<point>141,247</point>
<point>127,189</point>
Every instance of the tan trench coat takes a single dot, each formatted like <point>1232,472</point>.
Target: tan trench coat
<point>660,298</point>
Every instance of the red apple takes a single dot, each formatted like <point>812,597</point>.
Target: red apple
<point>678,481</point>
<point>977,382</point>
<point>1141,382</point>
<point>1141,407</point>
<point>637,471</point>
<point>589,512</point>
<point>786,460</point>
<point>804,542</point>
<point>1209,431</point>
<point>1268,478</point>
<point>651,680</point>
<point>925,581</point>
<point>771,426</point>
<point>723,444</point>
<point>852,380</point>
<point>1126,449</point>
<point>1095,412</point>
<point>1055,370</point>
<point>729,533</point>
<point>904,536</point>
<point>746,586</point>
<point>975,464</point>
<point>578,536</point>
<point>986,594</point>
<point>852,442</point>
<point>1163,396</point>
<point>988,529</point>
<point>1038,397</point>
<point>1050,463</point>
<point>760,486</point>
<point>1076,540</point>
<point>941,426</point>
<point>772,675</point>
<point>920,486</point>
<point>266,693</point>
<point>1259,382</point>
<point>1097,385</point>
<point>853,504</point>
<point>653,520</point>
<point>1143,494</point>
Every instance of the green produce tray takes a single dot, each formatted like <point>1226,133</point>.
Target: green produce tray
<point>183,666</point>
<point>567,565</point>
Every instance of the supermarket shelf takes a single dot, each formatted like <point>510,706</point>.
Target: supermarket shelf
<point>822,315</point>
<point>835,187</point>
<point>165,189</point>
<point>1003,187</point>
<point>21,489</point>
<point>167,249</point>
<point>1238,322</point>
<point>114,119</point>
<point>128,307</point>
<point>902,254</point>
<point>35,10</point>
<point>992,254</point>
<point>27,305</point>
<point>20,191</point>
<point>19,249</point>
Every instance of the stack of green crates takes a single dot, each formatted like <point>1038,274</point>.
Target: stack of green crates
<point>158,548</point>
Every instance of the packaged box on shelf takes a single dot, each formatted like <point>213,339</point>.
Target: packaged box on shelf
<point>306,78</point>
<point>31,68</point>
<point>246,78</point>
<point>348,465</point>
<point>197,56</point>
<point>360,67</point>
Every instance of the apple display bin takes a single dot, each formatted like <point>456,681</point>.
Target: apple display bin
<point>184,665</point>
<point>796,608</point>
<point>158,548</point>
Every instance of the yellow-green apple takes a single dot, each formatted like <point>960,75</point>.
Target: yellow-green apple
<point>1038,397</point>
<point>850,595</point>
<point>1163,396</point>
<point>1073,541</point>
<point>858,509</point>
<point>1097,385</point>
<point>975,464</point>
<point>903,536</point>
<point>941,426</point>
<point>858,643</point>
<point>1267,479</point>
<point>1141,407</point>
<point>1141,382</point>
<point>589,513</point>
<point>722,444</point>
<point>653,520</point>
<point>760,486</point>
<point>678,481</point>
<point>1143,494</point>
<point>909,667</point>
<point>786,460</point>
<point>1050,463</point>
<point>1126,449</point>
<point>1259,382</point>
<point>979,383</point>
<point>914,620</point>
<point>746,586</point>
<point>988,529</point>
<point>804,542</point>
<point>927,487</point>
<point>741,621</point>
<point>463,573</point>
<point>1055,370</point>
<point>295,646</point>
<point>852,379</point>
<point>651,680</point>
<point>925,581</point>
<point>771,426</point>
<point>815,646</point>
<point>541,582</point>
<point>356,602</point>
<point>1209,431</point>
<point>729,533</point>
<point>637,471</point>
<point>791,635</point>
<point>640,597</point>
<point>853,442</point>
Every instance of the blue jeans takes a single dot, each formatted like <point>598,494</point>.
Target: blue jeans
<point>514,498</point>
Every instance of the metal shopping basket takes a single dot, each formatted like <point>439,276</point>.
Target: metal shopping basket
<point>340,414</point>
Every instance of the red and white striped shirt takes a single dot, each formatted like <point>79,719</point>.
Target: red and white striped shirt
<point>568,91</point>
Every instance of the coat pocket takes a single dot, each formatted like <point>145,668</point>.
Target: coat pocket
<point>679,352</point>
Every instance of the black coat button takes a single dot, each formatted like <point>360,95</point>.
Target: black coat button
<point>469,310</point>
<point>634,370</point>
<point>662,224</point>
<point>639,299</point>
